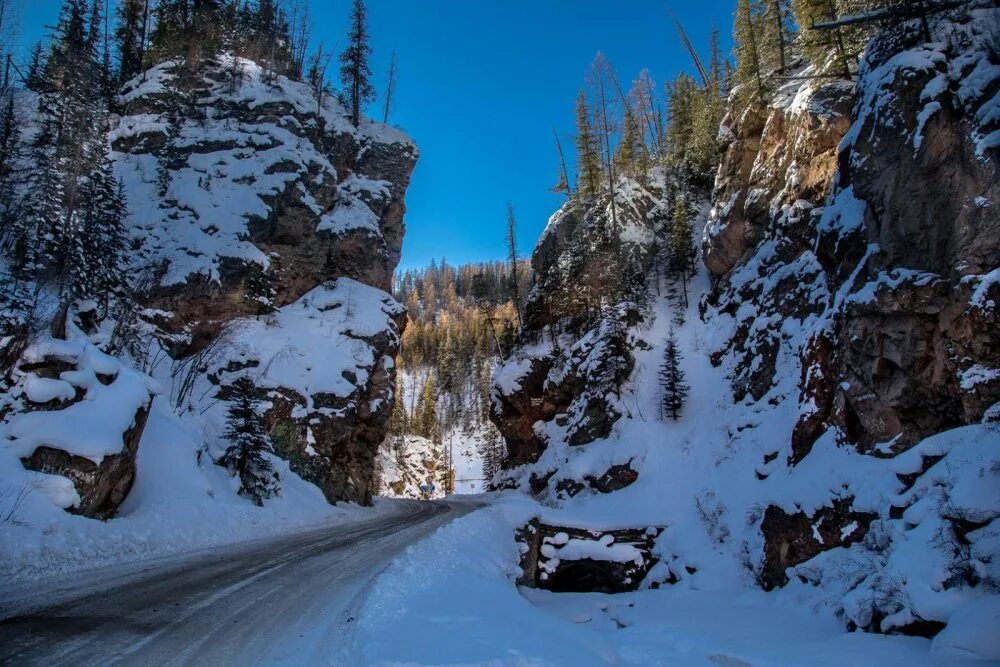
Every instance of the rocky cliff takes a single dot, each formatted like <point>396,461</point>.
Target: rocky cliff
<point>840,437</point>
<point>266,230</point>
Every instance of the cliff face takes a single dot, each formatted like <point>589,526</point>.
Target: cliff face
<point>232,166</point>
<point>266,230</point>
<point>563,384</point>
<point>891,275</point>
<point>235,177</point>
<point>840,435</point>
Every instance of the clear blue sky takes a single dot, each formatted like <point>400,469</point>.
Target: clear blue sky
<point>481,84</point>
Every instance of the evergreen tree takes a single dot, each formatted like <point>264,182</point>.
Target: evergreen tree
<point>747,35</point>
<point>355,72</point>
<point>10,155</point>
<point>36,66</point>
<point>398,418</point>
<point>588,152</point>
<point>674,389</point>
<point>682,245</point>
<point>426,418</point>
<point>246,455</point>
<point>130,37</point>
<point>630,155</point>
<point>259,289</point>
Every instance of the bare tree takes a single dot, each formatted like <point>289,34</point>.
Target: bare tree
<point>390,88</point>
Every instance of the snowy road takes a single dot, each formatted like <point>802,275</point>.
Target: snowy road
<point>285,600</point>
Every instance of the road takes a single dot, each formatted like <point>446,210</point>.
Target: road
<point>287,600</point>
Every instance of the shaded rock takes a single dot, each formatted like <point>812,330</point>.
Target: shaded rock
<point>103,486</point>
<point>572,560</point>
<point>792,539</point>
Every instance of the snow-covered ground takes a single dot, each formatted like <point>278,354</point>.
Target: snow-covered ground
<point>451,600</point>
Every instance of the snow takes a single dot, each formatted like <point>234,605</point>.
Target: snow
<point>450,599</point>
<point>316,344</point>
<point>180,502</point>
<point>237,166</point>
<point>43,390</point>
<point>91,428</point>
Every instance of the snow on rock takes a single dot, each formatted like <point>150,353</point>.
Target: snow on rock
<point>837,444</point>
<point>230,166</point>
<point>325,365</point>
<point>409,466</point>
<point>85,444</point>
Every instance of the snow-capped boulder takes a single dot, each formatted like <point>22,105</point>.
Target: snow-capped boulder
<point>75,418</point>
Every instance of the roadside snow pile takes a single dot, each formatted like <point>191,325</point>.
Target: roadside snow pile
<point>180,501</point>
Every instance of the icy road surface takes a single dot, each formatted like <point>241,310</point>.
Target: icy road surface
<point>288,600</point>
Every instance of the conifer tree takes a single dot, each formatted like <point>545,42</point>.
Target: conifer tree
<point>588,154</point>
<point>747,34</point>
<point>398,418</point>
<point>259,290</point>
<point>249,444</point>
<point>355,72</point>
<point>33,79</point>
<point>10,155</point>
<point>681,245</point>
<point>130,37</point>
<point>674,390</point>
<point>426,418</point>
<point>630,154</point>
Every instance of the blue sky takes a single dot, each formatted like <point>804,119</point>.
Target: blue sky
<point>481,84</point>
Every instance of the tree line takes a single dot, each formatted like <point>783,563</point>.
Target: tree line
<point>462,320</point>
<point>774,37</point>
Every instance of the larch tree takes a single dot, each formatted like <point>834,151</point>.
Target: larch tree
<point>355,72</point>
<point>246,455</point>
<point>673,387</point>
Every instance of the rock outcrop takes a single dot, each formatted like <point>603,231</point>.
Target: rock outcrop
<point>861,218</point>
<point>271,228</point>
<point>230,167</point>
<point>563,382</point>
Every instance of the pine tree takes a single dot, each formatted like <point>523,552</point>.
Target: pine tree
<point>36,66</point>
<point>630,155</point>
<point>674,389</point>
<point>398,418</point>
<point>10,155</point>
<point>259,290</point>
<point>681,245</point>
<point>246,455</point>
<point>747,47</point>
<point>587,151</point>
<point>426,418</point>
<point>355,72</point>
<point>130,37</point>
